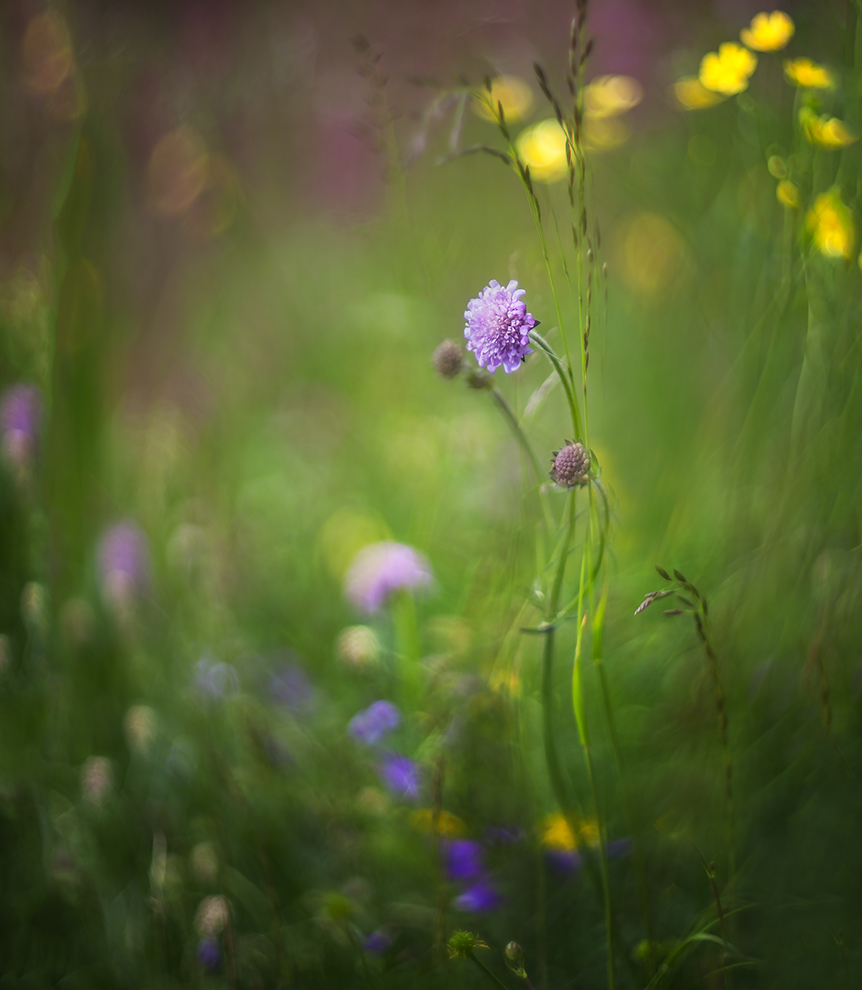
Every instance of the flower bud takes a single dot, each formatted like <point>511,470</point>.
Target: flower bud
<point>448,359</point>
<point>514,957</point>
<point>462,943</point>
<point>571,464</point>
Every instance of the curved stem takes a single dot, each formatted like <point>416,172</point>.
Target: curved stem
<point>557,364</point>
<point>487,971</point>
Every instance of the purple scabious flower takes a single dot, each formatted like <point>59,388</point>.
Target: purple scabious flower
<point>479,898</point>
<point>373,723</point>
<point>20,416</point>
<point>498,327</point>
<point>400,775</point>
<point>209,954</point>
<point>464,860</point>
<point>377,942</point>
<point>379,570</point>
<point>291,688</point>
<point>124,564</point>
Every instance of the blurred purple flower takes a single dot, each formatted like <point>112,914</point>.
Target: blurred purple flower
<point>377,942</point>
<point>400,775</point>
<point>379,570</point>
<point>209,954</point>
<point>290,687</point>
<point>504,835</point>
<point>124,564</point>
<point>619,848</point>
<point>498,327</point>
<point>464,860</point>
<point>215,680</point>
<point>479,898</point>
<point>571,861</point>
<point>20,417</point>
<point>373,723</point>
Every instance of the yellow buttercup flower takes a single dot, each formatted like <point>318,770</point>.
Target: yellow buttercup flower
<point>788,194</point>
<point>728,70</point>
<point>557,833</point>
<point>806,74</point>
<point>768,32</point>
<point>510,92</point>
<point>542,148</point>
<point>691,94</point>
<point>448,824</point>
<point>826,132</point>
<point>608,96</point>
<point>830,224</point>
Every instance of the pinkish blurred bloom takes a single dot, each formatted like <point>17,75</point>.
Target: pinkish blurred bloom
<point>20,416</point>
<point>379,570</point>
<point>124,564</point>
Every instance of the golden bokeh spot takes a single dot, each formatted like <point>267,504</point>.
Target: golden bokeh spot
<point>448,825</point>
<point>556,833</point>
<point>178,171</point>
<point>788,194</point>
<point>825,132</point>
<point>542,148</point>
<point>652,254</point>
<point>344,534</point>
<point>768,32</point>
<point>605,134</point>
<point>830,224</point>
<point>728,70</point>
<point>806,74</point>
<point>608,96</point>
<point>510,92</point>
<point>691,94</point>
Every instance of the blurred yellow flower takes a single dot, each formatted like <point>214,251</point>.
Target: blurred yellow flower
<point>608,96</point>
<point>826,132</point>
<point>788,194</point>
<point>727,71</point>
<point>768,32</point>
<point>556,833</point>
<point>830,224</point>
<point>512,93</point>
<point>448,825</point>
<point>691,94</point>
<point>605,134</point>
<point>807,74</point>
<point>542,148</point>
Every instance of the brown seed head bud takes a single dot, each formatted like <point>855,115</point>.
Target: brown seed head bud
<point>571,464</point>
<point>448,359</point>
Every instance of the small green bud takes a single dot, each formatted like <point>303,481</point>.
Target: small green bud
<point>514,956</point>
<point>463,943</point>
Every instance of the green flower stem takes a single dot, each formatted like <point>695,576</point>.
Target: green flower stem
<point>548,351</point>
<point>527,448</point>
<point>487,971</point>
<point>408,647</point>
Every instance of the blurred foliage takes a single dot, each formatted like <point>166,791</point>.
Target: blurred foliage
<point>229,251</point>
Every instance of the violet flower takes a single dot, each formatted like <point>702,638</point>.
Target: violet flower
<point>20,416</point>
<point>215,681</point>
<point>377,942</point>
<point>498,327</point>
<point>464,859</point>
<point>400,775</point>
<point>209,954</point>
<point>124,564</point>
<point>381,569</point>
<point>373,723</point>
<point>481,897</point>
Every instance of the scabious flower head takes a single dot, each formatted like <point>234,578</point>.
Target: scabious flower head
<point>448,359</point>
<point>830,224</point>
<point>379,570</point>
<point>20,416</point>
<point>498,327</point>
<point>542,148</point>
<point>691,94</point>
<point>373,723</point>
<point>571,464</point>
<point>768,32</point>
<point>805,74</point>
<point>728,70</point>
<point>510,92</point>
<point>464,860</point>
<point>400,776</point>
<point>124,564</point>
<point>209,954</point>
<point>480,898</point>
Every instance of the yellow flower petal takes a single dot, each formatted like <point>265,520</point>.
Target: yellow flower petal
<point>830,224</point>
<point>806,74</point>
<point>608,96</point>
<point>768,32</point>
<point>788,194</point>
<point>542,148</point>
<point>727,71</point>
<point>825,132</point>
<point>691,94</point>
<point>512,93</point>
